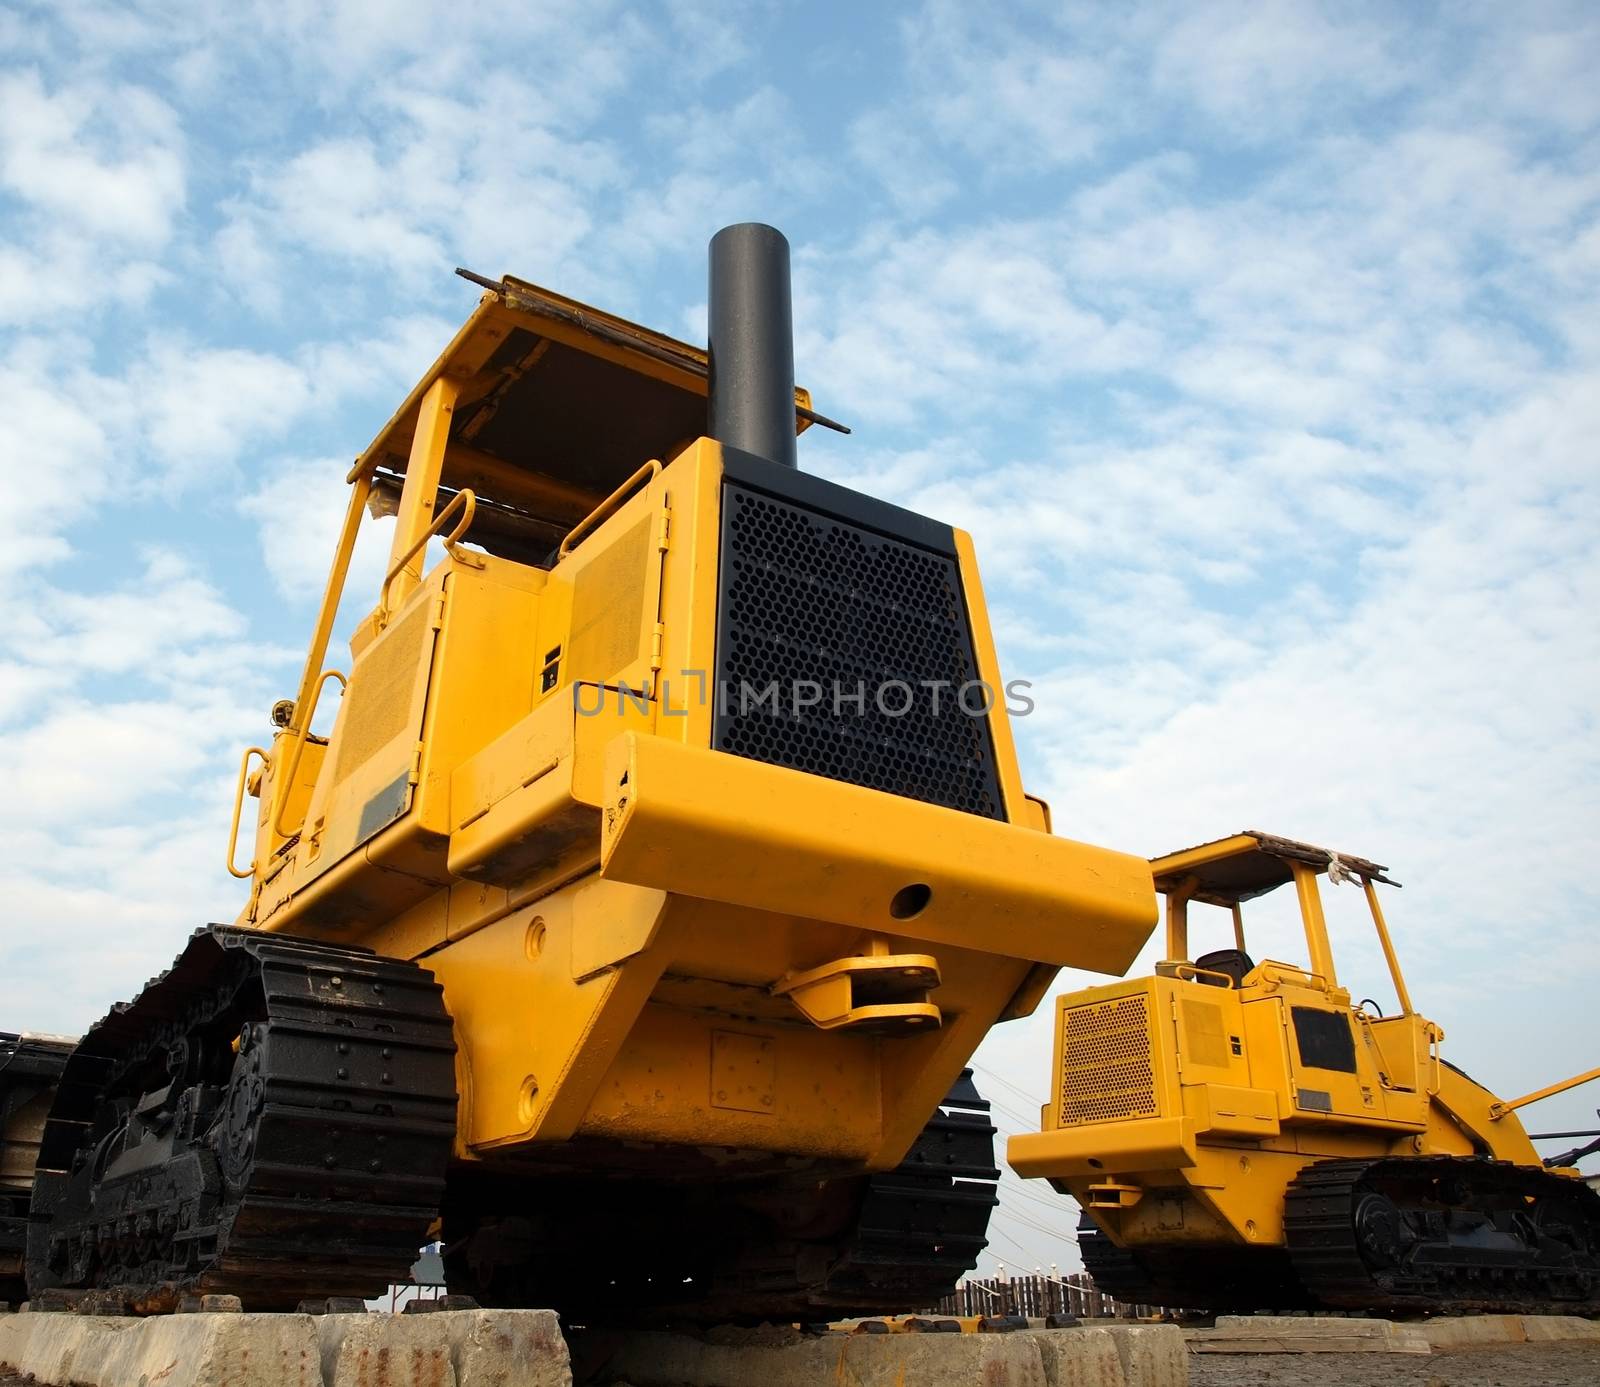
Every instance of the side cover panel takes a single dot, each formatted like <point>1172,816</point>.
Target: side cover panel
<point>375,745</point>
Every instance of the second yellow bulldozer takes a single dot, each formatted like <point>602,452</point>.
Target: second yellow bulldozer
<point>1240,1135</point>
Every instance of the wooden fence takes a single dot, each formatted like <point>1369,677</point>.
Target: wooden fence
<point>1037,1296</point>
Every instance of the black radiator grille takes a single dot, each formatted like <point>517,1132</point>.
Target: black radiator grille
<point>812,601</point>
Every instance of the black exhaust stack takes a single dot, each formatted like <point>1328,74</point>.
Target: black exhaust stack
<point>751,334</point>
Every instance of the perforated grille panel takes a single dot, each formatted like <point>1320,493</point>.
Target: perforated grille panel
<point>383,689</point>
<point>816,611</point>
<point>1105,1063</point>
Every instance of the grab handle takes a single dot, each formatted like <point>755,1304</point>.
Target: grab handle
<point>465,501</point>
<point>300,746</point>
<point>644,475</point>
<point>238,808</point>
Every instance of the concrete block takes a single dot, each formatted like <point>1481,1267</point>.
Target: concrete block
<point>1298,1324</point>
<point>1306,1334</point>
<point>1545,1329</point>
<point>383,1351</point>
<point>847,1360</point>
<point>447,1348</point>
<point>505,1348</point>
<point>1082,1358</point>
<point>46,1346</point>
<point>1472,1330</point>
<point>1151,1355</point>
<point>174,1350</point>
<point>469,1348</point>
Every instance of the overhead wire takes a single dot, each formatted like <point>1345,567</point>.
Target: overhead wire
<point>1004,1082</point>
<point>1028,1254</point>
<point>1014,1186</point>
<point>1027,1124</point>
<point>1037,1226</point>
<point>1058,1205</point>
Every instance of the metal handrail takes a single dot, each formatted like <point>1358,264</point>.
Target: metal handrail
<point>1278,970</point>
<point>1497,1110</point>
<point>1179,969</point>
<point>300,738</point>
<point>645,474</point>
<point>464,500</point>
<point>238,808</point>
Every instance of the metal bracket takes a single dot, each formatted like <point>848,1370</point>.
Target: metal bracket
<point>887,993</point>
<point>1113,1194</point>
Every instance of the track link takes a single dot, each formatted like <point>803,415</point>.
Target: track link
<point>270,1118</point>
<point>1444,1234</point>
<point>923,1224</point>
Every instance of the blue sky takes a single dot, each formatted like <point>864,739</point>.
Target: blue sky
<point>1256,344</point>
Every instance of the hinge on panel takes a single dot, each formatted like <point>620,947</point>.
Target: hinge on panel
<point>1177,1037</point>
<point>436,621</point>
<point>414,775</point>
<point>659,633</point>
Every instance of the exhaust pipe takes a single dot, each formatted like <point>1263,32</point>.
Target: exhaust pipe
<point>751,336</point>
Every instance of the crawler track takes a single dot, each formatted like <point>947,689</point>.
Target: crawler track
<point>270,1118</point>
<point>1443,1233</point>
<point>922,1224</point>
<point>29,1069</point>
<point>1223,1280</point>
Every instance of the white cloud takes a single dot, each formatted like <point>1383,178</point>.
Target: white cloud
<point>95,912</point>
<point>299,511</point>
<point>54,453</point>
<point>177,419</point>
<point>106,161</point>
<point>892,152</point>
<point>85,764</point>
<point>955,322</point>
<point>1009,90</point>
<point>337,197</point>
<point>201,407</point>
<point>133,627</point>
<point>1264,69</point>
<point>462,201</point>
<point>67,276</point>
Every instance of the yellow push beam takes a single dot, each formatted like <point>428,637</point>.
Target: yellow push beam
<point>702,823</point>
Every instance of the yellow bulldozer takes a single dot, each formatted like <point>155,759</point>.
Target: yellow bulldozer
<point>1241,1136</point>
<point>630,923</point>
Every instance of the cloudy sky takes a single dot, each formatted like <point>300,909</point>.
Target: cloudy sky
<point>1256,344</point>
